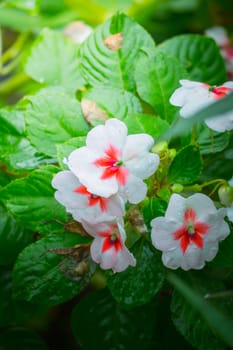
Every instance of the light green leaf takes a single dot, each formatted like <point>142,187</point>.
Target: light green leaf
<point>157,76</point>
<point>53,117</point>
<point>145,123</point>
<point>53,60</point>
<point>115,102</point>
<point>31,200</point>
<point>199,55</point>
<point>186,166</point>
<point>138,285</point>
<point>101,65</point>
<point>38,275</point>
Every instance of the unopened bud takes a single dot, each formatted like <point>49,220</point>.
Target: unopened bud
<point>225,193</point>
<point>177,188</point>
<point>160,147</point>
<point>171,153</point>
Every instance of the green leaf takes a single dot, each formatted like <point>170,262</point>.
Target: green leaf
<point>224,256</point>
<point>21,339</point>
<point>64,149</point>
<point>199,55</point>
<point>153,208</point>
<point>138,285</point>
<point>13,311</point>
<point>186,166</point>
<point>115,102</point>
<point>27,5</point>
<point>210,141</point>
<point>39,274</point>
<point>13,237</point>
<point>112,326</point>
<point>157,76</point>
<point>31,200</point>
<point>202,323</point>
<point>101,65</point>
<point>145,123</point>
<point>15,150</point>
<point>53,60</point>
<point>53,117</point>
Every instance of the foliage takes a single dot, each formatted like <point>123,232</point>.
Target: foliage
<point>53,92</point>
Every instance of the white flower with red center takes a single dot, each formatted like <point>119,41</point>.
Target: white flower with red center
<point>108,248</point>
<point>192,96</point>
<point>82,204</point>
<point>114,162</point>
<point>188,235</point>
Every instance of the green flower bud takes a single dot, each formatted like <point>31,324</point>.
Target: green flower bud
<point>160,147</point>
<point>225,193</point>
<point>177,188</point>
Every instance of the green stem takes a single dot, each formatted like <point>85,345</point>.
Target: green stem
<point>11,84</point>
<point>15,48</point>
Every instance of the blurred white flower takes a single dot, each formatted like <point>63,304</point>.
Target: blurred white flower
<point>77,31</point>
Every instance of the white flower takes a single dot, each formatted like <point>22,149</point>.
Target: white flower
<point>111,161</point>
<point>78,31</point>
<point>82,204</point>
<point>108,248</point>
<point>192,96</point>
<point>188,235</point>
<point>219,34</point>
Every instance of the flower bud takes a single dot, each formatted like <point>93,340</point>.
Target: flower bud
<point>177,188</point>
<point>160,147</point>
<point>225,193</point>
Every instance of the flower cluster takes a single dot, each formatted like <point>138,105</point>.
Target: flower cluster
<point>102,176</point>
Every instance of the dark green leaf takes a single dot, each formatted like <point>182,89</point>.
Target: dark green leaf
<point>13,311</point>
<point>201,322</point>
<point>101,65</point>
<point>210,141</point>
<point>53,60</point>
<point>111,326</point>
<point>21,339</point>
<point>225,255</point>
<point>31,200</point>
<point>13,237</point>
<point>145,123</point>
<point>186,166</point>
<point>53,117</point>
<point>199,55</point>
<point>39,275</point>
<point>138,285</point>
<point>157,76</point>
<point>152,209</point>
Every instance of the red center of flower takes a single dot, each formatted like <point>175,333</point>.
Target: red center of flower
<point>111,241</point>
<point>113,165</point>
<point>191,231</point>
<point>92,198</point>
<point>218,91</point>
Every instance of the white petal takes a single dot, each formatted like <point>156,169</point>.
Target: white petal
<point>219,34</point>
<point>81,162</point>
<point>210,250</point>
<point>124,259</point>
<point>202,205</point>
<point>193,258</point>
<point>176,207</point>
<point>135,190</point>
<point>221,123</point>
<point>172,259</point>
<point>219,229</point>
<point>114,133</point>
<point>161,234</point>
<point>230,213</point>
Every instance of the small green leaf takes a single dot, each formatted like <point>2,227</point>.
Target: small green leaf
<point>112,326</point>
<point>138,285</point>
<point>38,274</point>
<point>200,55</point>
<point>13,237</point>
<point>31,200</point>
<point>101,65</point>
<point>115,102</point>
<point>145,123</point>
<point>157,76</point>
<point>53,60</point>
<point>186,166</point>
<point>53,117</point>
<point>64,149</point>
<point>202,323</point>
<point>21,339</point>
